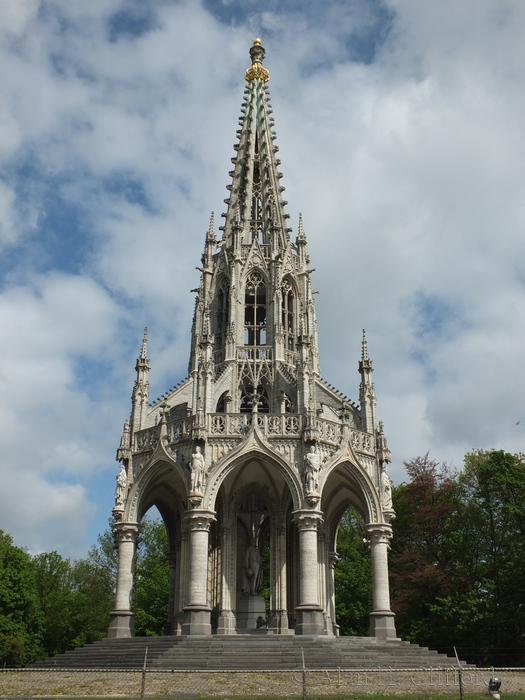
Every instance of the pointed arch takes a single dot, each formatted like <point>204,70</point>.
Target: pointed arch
<point>347,482</point>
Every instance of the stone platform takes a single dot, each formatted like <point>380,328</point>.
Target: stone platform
<point>252,651</point>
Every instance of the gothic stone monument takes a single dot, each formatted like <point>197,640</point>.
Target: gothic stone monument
<point>253,448</point>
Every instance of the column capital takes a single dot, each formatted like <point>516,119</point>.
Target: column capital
<point>307,519</point>
<point>126,532</point>
<point>378,533</point>
<point>200,519</point>
<point>333,558</point>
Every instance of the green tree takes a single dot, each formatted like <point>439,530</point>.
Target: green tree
<point>353,577</point>
<point>493,490</point>
<point>458,562</point>
<point>21,616</point>
<point>54,589</point>
<point>76,599</point>
<point>150,600</point>
<point>424,557</point>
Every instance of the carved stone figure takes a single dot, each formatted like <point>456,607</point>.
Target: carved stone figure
<point>252,572</point>
<point>311,471</point>
<point>122,486</point>
<point>197,471</point>
<point>386,490</point>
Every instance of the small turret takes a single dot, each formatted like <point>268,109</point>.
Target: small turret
<point>211,245</point>
<point>367,394</point>
<point>140,396</point>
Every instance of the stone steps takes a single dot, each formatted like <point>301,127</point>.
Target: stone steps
<point>248,652</point>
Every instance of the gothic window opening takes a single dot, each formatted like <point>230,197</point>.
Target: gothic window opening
<point>288,405</point>
<point>288,316</point>
<point>249,397</point>
<point>255,311</point>
<point>222,316</point>
<point>222,403</point>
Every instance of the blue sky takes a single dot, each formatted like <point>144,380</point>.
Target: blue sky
<point>400,127</point>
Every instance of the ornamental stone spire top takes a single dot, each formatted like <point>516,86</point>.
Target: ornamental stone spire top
<point>257,54</point>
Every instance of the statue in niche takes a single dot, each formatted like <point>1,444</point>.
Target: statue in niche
<point>386,490</point>
<point>311,471</point>
<point>122,486</point>
<point>197,471</point>
<point>252,572</point>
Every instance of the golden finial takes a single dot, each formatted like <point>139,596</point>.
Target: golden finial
<point>257,71</point>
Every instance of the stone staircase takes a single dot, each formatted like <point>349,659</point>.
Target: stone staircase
<point>249,652</point>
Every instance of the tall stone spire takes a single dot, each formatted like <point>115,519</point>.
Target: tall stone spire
<point>256,195</point>
<point>367,394</point>
<point>140,396</point>
<point>254,311</point>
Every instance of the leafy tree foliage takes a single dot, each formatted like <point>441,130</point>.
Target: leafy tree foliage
<point>457,557</point>
<point>150,600</point>
<point>493,489</point>
<point>21,618</point>
<point>353,577</point>
<point>76,599</point>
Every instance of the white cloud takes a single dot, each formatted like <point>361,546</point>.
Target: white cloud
<point>407,166</point>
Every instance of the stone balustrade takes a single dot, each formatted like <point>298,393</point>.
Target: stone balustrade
<point>236,425</point>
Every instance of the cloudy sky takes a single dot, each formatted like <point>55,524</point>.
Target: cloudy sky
<point>401,127</point>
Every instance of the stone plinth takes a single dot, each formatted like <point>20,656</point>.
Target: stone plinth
<point>249,608</point>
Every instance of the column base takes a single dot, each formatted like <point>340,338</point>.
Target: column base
<point>382,624</point>
<point>121,624</point>
<point>227,623</point>
<point>278,623</point>
<point>309,620</point>
<point>196,621</point>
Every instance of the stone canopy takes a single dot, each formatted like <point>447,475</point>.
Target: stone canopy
<point>253,453</point>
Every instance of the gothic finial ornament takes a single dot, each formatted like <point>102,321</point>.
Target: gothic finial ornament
<point>257,71</point>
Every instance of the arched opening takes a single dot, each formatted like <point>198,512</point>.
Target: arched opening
<point>221,318</point>
<point>152,577</point>
<point>253,542</point>
<point>352,576</point>
<point>288,314</point>
<point>255,310</point>
<point>222,403</point>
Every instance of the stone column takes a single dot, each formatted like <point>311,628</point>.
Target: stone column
<point>381,618</point>
<point>182,582</point>
<point>197,610</point>
<point>332,561</point>
<point>278,621</point>
<point>170,622</point>
<point>121,620</point>
<point>227,620</point>
<point>309,614</point>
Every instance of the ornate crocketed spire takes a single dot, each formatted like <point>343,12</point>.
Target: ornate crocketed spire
<point>144,351</point>
<point>365,360</point>
<point>367,396</point>
<point>140,395</point>
<point>257,70</point>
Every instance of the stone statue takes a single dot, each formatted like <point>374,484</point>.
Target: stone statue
<point>386,491</point>
<point>197,471</point>
<point>122,486</point>
<point>252,572</point>
<point>311,471</point>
